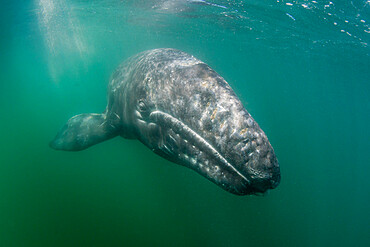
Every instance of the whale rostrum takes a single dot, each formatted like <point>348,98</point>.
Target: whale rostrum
<point>184,111</point>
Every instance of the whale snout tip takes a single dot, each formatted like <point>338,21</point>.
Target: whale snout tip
<point>264,173</point>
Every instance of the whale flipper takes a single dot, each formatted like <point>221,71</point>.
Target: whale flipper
<point>83,131</point>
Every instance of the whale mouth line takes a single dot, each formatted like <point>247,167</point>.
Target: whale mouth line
<point>179,127</point>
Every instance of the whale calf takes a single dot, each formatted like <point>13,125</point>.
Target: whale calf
<point>184,111</point>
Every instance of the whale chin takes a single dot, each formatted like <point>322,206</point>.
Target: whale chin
<point>182,145</point>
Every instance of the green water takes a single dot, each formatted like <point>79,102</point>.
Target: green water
<point>301,68</point>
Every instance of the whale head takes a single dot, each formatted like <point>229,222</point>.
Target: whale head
<point>188,114</point>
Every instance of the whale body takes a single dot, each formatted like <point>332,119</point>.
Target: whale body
<point>184,111</point>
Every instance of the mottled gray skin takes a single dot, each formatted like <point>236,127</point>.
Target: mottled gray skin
<point>184,111</point>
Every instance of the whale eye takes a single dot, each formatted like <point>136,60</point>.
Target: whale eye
<point>142,106</point>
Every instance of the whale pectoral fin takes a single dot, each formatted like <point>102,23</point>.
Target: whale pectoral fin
<point>83,131</point>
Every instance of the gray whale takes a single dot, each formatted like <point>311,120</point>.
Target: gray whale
<point>184,111</point>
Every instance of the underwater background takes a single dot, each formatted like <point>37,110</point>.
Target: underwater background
<point>301,68</point>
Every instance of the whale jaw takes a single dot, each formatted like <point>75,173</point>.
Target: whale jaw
<point>183,145</point>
